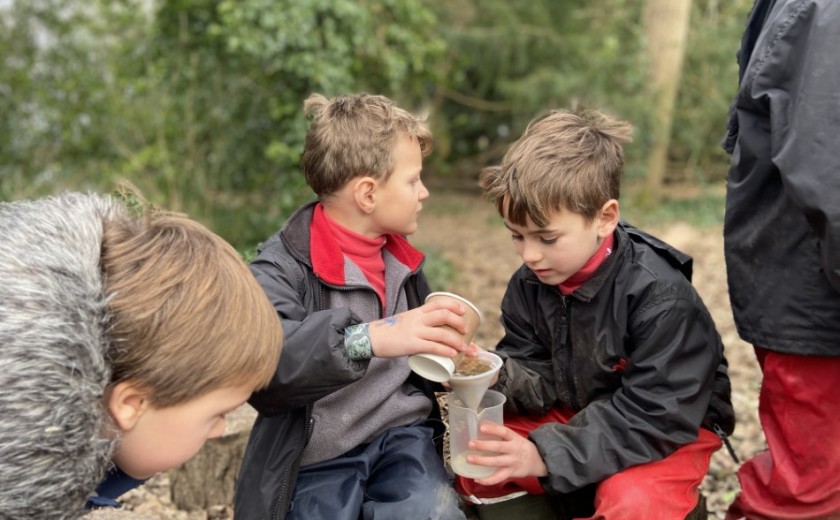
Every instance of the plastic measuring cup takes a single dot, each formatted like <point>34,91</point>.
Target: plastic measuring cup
<point>463,427</point>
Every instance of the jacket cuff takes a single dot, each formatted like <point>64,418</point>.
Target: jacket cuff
<point>357,342</point>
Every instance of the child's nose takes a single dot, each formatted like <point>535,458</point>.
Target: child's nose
<point>531,253</point>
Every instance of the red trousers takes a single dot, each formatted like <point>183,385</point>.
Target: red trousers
<point>662,490</point>
<point>798,477</point>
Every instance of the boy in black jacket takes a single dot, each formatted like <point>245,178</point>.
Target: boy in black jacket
<point>614,372</point>
<point>349,289</point>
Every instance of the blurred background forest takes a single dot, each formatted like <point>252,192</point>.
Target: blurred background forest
<point>199,102</point>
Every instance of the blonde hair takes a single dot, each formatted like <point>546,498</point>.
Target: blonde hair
<point>187,316</point>
<point>355,135</point>
<point>563,161</point>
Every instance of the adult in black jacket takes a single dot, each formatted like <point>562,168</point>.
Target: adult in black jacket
<point>782,245</point>
<point>614,372</point>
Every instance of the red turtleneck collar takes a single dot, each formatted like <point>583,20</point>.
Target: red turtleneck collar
<point>576,280</point>
<point>327,248</point>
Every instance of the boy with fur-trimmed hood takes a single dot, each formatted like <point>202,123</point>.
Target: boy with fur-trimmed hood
<point>123,342</point>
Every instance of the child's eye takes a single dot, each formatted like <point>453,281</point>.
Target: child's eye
<point>548,241</point>
<point>516,237</point>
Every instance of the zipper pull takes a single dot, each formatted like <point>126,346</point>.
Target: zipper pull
<point>720,433</point>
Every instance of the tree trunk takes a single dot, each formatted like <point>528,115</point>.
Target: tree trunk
<point>666,29</point>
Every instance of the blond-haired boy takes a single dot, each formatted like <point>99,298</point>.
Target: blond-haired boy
<point>349,289</point>
<point>124,341</point>
<point>614,372</point>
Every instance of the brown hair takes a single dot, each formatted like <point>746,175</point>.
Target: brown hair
<point>187,316</point>
<point>354,135</point>
<point>563,161</point>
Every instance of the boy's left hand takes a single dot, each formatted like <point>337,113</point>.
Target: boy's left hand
<point>514,455</point>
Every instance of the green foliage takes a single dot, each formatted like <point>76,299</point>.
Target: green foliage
<point>199,102</point>
<point>702,209</point>
<point>50,93</point>
<point>439,271</point>
<point>710,80</point>
<point>509,62</point>
<point>196,102</point>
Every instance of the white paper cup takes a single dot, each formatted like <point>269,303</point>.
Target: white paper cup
<point>439,368</point>
<point>432,367</point>
<point>473,316</point>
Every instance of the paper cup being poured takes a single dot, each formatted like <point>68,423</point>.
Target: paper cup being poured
<point>440,368</point>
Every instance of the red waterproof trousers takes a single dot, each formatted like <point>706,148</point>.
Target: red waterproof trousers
<point>798,477</point>
<point>662,490</point>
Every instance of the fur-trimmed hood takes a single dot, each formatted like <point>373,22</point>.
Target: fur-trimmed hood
<point>54,445</point>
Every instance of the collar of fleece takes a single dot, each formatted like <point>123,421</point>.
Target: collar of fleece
<point>328,259</point>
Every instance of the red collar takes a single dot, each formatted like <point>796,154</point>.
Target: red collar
<point>328,260</point>
<point>576,280</point>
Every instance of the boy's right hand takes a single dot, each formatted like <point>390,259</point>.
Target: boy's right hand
<point>425,329</point>
<point>513,454</point>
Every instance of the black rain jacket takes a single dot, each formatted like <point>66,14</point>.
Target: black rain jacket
<point>633,351</point>
<point>782,225</point>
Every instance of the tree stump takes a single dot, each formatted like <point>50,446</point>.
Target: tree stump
<point>208,479</point>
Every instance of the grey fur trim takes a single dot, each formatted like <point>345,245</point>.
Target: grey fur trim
<point>54,441</point>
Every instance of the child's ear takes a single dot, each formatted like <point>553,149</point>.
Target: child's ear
<point>126,403</point>
<point>608,218</point>
<point>364,193</point>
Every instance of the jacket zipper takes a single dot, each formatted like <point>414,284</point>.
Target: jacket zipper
<point>566,344</point>
<point>291,473</point>
<point>720,433</point>
<point>292,470</point>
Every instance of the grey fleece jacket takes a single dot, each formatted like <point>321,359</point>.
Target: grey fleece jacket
<point>54,441</point>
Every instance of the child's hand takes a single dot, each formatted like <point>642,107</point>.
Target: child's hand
<point>425,329</point>
<point>514,455</point>
<point>471,352</point>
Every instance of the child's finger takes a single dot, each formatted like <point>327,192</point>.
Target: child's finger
<point>445,337</point>
<point>444,303</point>
<point>497,430</point>
<point>446,317</point>
<point>499,476</point>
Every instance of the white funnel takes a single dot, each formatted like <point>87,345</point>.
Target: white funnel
<point>470,389</point>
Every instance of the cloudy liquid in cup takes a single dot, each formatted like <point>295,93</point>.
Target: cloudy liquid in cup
<point>472,367</point>
<point>463,468</point>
